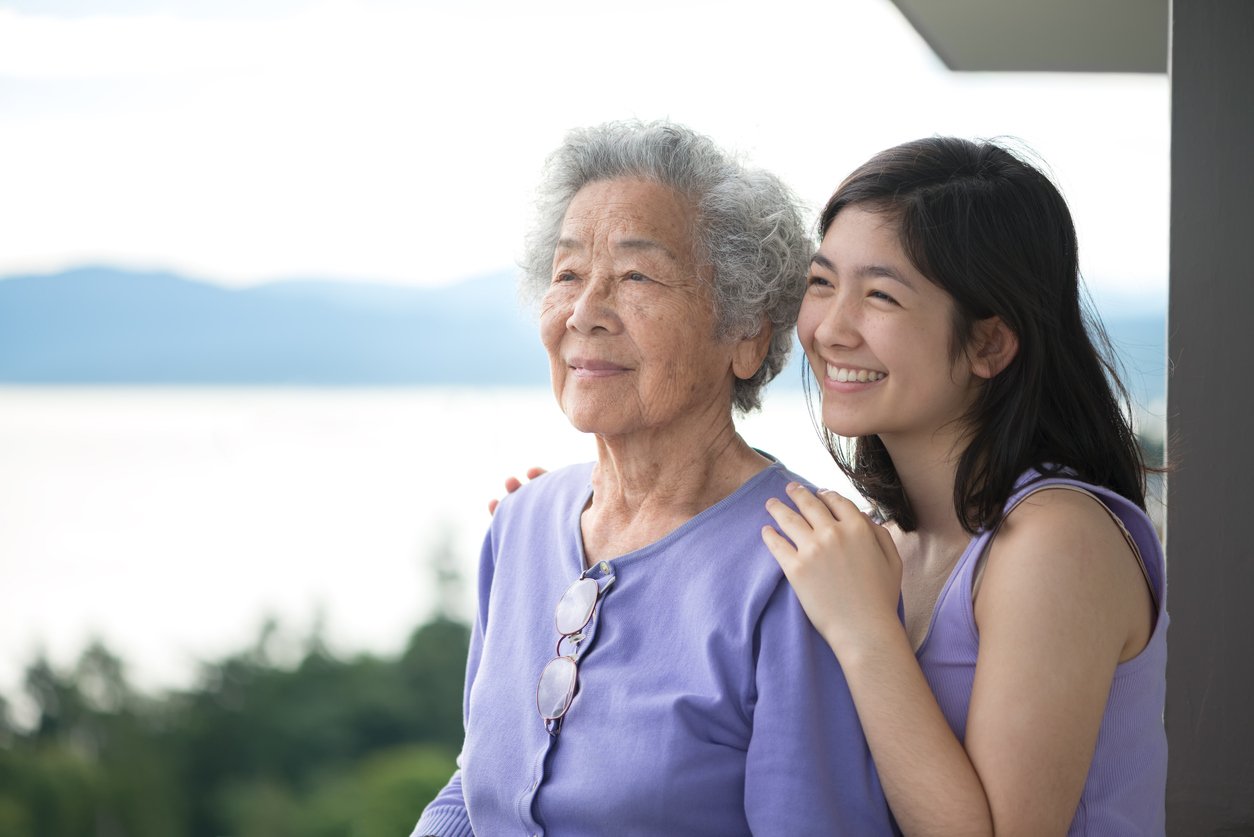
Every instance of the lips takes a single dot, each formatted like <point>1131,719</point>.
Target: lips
<point>594,367</point>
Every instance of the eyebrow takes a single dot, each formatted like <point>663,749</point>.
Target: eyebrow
<point>823,261</point>
<point>881,271</point>
<point>644,244</point>
<point>885,272</point>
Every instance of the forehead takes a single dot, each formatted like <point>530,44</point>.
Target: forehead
<point>628,209</point>
<point>855,229</point>
<point>865,244</point>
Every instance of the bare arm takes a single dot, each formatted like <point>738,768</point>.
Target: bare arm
<point>1061,603</point>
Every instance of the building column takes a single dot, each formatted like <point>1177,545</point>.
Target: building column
<point>1210,422</point>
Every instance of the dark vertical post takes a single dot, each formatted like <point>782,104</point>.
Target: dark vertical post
<point>1210,404</point>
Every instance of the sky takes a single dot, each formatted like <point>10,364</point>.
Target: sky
<point>245,142</point>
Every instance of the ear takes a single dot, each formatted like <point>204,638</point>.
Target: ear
<point>749,352</point>
<point>993,346</point>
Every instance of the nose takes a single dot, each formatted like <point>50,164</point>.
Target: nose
<point>838,325</point>
<point>594,307</point>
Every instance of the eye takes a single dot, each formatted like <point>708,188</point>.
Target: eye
<point>883,296</point>
<point>636,276</point>
<point>563,276</point>
<point>816,281</point>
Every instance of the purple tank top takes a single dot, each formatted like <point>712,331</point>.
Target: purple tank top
<point>1125,788</point>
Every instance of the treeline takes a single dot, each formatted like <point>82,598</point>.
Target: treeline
<point>316,748</point>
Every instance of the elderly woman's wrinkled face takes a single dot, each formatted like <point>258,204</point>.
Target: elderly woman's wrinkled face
<point>628,319</point>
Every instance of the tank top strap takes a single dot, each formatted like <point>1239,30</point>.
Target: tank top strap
<point>965,574</point>
<point>957,597</point>
<point>1134,524</point>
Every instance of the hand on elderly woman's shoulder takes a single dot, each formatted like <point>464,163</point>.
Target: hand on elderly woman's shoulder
<point>512,484</point>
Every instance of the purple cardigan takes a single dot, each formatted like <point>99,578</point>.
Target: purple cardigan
<point>1125,789</point>
<point>707,704</point>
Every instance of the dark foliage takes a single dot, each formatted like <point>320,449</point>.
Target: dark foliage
<point>323,747</point>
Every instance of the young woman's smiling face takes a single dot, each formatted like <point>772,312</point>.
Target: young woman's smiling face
<point>878,335</point>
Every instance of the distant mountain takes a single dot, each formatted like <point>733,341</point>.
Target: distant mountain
<point>105,326</point>
<point>100,325</point>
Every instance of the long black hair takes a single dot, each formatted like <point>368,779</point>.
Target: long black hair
<point>992,231</point>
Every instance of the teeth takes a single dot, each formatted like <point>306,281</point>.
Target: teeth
<point>844,376</point>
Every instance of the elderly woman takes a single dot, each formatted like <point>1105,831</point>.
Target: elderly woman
<point>688,693</point>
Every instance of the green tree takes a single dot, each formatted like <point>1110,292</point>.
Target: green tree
<point>322,746</point>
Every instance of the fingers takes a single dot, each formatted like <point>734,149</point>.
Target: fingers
<point>813,512</point>
<point>811,507</point>
<point>512,484</point>
<point>792,524</point>
<point>826,514</point>
<point>840,506</point>
<point>779,546</point>
<point>825,506</point>
<point>846,511</point>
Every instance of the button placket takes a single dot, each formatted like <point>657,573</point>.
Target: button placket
<point>604,575</point>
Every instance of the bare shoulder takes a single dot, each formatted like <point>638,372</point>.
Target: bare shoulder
<point>1063,525</point>
<point>1062,547</point>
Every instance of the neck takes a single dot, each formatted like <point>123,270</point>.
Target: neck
<point>689,473</point>
<point>927,468</point>
<point>648,484</point>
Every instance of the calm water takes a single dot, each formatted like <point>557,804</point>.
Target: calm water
<point>172,522</point>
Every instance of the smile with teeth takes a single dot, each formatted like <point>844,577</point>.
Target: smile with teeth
<point>845,375</point>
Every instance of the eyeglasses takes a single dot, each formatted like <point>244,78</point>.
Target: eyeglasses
<point>560,678</point>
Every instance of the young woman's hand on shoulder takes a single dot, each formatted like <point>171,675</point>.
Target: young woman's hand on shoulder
<point>842,565</point>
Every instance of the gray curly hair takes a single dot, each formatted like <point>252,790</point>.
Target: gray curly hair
<point>748,227</point>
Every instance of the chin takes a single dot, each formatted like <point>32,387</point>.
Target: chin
<point>849,427</point>
<point>586,427</point>
<point>592,421</point>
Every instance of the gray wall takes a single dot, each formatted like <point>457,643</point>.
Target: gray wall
<point>1210,490</point>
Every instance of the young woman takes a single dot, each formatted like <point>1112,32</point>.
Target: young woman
<point>1024,692</point>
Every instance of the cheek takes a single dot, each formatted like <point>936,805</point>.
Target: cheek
<point>808,319</point>
<point>553,319</point>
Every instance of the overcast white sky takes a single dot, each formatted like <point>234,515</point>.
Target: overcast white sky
<point>243,142</point>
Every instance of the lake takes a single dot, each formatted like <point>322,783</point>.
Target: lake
<point>171,523</point>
